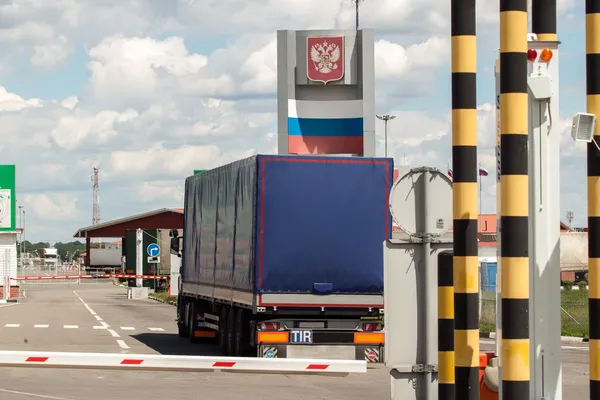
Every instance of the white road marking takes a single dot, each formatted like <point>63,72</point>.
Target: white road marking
<point>575,348</point>
<point>41,326</point>
<point>39,396</point>
<point>112,332</point>
<point>70,326</point>
<point>127,328</point>
<point>100,327</point>
<point>157,329</point>
<point>12,325</point>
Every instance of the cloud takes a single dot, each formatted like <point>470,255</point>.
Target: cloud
<point>168,191</point>
<point>393,60</point>
<point>83,128</point>
<point>165,87</point>
<point>260,69</point>
<point>48,55</point>
<point>158,158</point>
<point>59,207</point>
<point>141,69</point>
<point>13,102</point>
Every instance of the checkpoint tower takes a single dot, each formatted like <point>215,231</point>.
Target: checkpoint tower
<point>544,367</point>
<point>326,92</point>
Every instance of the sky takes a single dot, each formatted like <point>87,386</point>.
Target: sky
<point>149,90</point>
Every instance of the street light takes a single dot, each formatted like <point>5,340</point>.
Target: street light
<point>23,231</point>
<point>20,225</point>
<point>385,118</point>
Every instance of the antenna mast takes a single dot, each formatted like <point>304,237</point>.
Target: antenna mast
<point>96,198</point>
<point>570,217</point>
<point>357,3</point>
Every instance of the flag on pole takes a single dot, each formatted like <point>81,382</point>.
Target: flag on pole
<point>449,172</point>
<point>483,172</point>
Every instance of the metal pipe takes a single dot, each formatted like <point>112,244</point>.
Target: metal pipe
<point>514,197</point>
<point>592,33</point>
<point>464,188</point>
<point>446,380</point>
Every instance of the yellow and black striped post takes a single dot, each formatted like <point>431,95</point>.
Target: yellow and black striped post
<point>464,188</point>
<point>543,19</point>
<point>446,326</point>
<point>514,194</point>
<point>592,38</point>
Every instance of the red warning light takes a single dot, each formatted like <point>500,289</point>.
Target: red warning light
<point>531,54</point>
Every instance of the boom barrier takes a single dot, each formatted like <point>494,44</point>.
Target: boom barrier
<point>62,277</point>
<point>179,363</point>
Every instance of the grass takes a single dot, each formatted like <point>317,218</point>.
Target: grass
<point>164,295</point>
<point>574,313</point>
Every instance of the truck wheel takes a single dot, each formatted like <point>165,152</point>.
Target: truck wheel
<point>181,321</point>
<point>223,329</point>
<point>231,332</point>
<point>241,333</point>
<point>192,321</point>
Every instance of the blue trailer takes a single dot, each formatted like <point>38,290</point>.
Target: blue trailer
<point>282,256</point>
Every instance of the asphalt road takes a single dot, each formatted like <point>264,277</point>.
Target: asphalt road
<point>57,317</point>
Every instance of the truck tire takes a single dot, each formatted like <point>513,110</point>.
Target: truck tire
<point>182,329</point>
<point>231,332</point>
<point>223,329</point>
<point>240,346</point>
<point>192,320</point>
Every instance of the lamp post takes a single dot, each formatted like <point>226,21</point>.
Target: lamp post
<point>385,118</point>
<point>23,231</point>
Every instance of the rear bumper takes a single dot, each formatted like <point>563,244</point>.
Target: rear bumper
<point>369,353</point>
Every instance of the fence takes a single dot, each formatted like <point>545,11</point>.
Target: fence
<point>574,312</point>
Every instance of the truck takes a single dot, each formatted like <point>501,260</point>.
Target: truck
<point>282,256</point>
<point>50,257</point>
<point>105,260</point>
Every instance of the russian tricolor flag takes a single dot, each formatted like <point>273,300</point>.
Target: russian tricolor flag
<point>325,127</point>
<point>483,172</point>
<point>449,172</point>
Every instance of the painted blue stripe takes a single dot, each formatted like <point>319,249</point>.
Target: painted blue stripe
<point>325,127</point>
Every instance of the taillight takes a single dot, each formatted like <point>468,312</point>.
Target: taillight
<point>371,326</point>
<point>269,326</point>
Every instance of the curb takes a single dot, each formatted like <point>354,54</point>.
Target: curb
<point>563,339</point>
<point>173,303</point>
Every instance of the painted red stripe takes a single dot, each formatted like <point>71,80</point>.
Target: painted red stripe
<point>36,359</point>
<point>131,362</point>
<point>318,366</point>
<point>223,364</point>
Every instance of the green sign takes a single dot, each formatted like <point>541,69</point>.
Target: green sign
<point>8,198</point>
<point>197,171</point>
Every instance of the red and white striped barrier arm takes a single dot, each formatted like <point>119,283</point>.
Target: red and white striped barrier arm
<point>59,277</point>
<point>178,363</point>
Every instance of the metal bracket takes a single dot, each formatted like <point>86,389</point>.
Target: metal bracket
<point>417,368</point>
<point>425,169</point>
<point>428,237</point>
<point>425,368</point>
